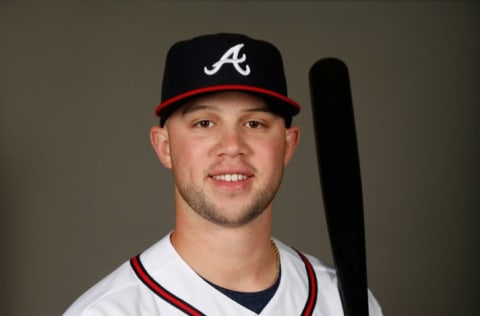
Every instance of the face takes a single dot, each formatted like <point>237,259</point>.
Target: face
<point>227,153</point>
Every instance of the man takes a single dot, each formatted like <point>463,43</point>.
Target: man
<point>225,132</point>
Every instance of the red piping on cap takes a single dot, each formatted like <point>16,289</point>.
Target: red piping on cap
<point>228,87</point>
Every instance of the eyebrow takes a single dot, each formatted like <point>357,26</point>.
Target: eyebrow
<point>260,109</point>
<point>190,108</point>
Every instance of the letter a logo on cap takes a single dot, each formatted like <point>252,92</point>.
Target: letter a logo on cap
<point>230,57</point>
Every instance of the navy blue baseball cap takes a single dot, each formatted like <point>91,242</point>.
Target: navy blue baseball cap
<point>220,62</point>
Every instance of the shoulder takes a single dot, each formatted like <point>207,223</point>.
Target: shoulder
<point>301,261</point>
<point>297,263</point>
<point>113,294</point>
<point>115,284</point>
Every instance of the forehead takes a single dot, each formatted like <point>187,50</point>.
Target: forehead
<point>225,101</point>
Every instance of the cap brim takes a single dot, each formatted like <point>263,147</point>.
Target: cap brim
<point>286,105</point>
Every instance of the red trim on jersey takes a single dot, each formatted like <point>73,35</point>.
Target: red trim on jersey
<point>161,291</point>
<point>312,287</point>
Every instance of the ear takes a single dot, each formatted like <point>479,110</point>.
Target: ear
<point>292,137</point>
<point>161,145</point>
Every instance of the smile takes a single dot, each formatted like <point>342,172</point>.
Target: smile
<point>233,177</point>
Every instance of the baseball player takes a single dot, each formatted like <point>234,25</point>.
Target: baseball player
<point>226,133</point>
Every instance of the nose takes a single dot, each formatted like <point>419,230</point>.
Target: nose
<point>232,142</point>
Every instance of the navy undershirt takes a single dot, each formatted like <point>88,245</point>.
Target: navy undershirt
<point>254,301</point>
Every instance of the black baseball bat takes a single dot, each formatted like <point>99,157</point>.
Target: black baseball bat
<point>339,168</point>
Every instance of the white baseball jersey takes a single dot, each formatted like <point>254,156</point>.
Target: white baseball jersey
<point>159,282</point>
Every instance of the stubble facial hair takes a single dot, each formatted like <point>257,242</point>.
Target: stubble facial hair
<point>199,202</point>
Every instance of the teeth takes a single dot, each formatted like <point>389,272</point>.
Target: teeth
<point>230,177</point>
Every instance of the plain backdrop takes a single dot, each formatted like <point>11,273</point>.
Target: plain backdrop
<point>82,191</point>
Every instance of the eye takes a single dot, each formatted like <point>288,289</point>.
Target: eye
<point>203,124</point>
<point>255,124</point>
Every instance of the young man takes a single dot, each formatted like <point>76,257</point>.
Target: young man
<point>225,132</point>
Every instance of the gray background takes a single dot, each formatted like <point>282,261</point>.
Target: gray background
<point>82,191</point>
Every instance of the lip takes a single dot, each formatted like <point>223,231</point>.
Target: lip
<point>231,178</point>
<point>215,172</point>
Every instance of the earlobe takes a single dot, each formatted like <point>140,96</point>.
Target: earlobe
<point>292,138</point>
<point>161,145</point>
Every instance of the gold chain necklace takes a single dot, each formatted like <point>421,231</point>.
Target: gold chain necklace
<point>277,260</point>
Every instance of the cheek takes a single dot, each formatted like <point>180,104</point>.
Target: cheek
<point>186,156</point>
<point>272,154</point>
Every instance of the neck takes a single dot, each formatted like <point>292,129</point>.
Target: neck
<point>240,259</point>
